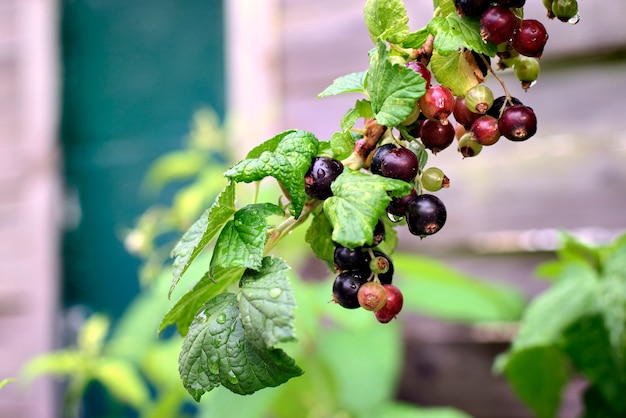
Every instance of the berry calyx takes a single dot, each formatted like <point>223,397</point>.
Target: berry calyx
<point>530,38</point>
<point>346,288</point>
<point>437,103</point>
<point>319,177</point>
<point>393,304</point>
<point>425,215</point>
<point>518,123</point>
<point>372,296</point>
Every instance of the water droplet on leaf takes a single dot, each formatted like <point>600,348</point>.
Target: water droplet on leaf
<point>221,318</point>
<point>232,378</point>
<point>214,364</point>
<point>276,292</point>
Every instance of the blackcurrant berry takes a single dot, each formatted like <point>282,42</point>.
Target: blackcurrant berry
<point>462,114</point>
<point>320,175</point>
<point>468,147</point>
<point>530,38</point>
<point>497,24</point>
<point>433,179</point>
<point>387,276</point>
<point>346,288</point>
<point>485,130</point>
<point>511,3</point>
<point>473,8</point>
<point>479,99</point>
<point>518,123</point>
<point>372,296</point>
<point>501,103</point>
<point>378,235</point>
<point>377,158</point>
<point>399,163</point>
<point>436,136</point>
<point>346,259</point>
<point>437,103</point>
<point>397,206</point>
<point>393,304</point>
<point>425,215</point>
<point>482,62</point>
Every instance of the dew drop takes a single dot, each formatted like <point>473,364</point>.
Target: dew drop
<point>232,378</point>
<point>574,19</point>
<point>214,364</point>
<point>221,318</point>
<point>276,292</point>
<point>393,218</point>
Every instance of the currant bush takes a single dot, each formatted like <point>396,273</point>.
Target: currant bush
<point>421,90</point>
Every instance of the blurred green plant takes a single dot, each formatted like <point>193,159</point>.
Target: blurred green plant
<point>575,328</point>
<point>138,368</point>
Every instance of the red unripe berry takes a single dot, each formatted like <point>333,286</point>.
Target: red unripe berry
<point>372,296</point>
<point>437,136</point>
<point>393,304</point>
<point>530,38</point>
<point>421,69</point>
<point>485,130</point>
<point>437,103</point>
<point>497,24</point>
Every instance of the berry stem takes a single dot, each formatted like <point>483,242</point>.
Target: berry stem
<point>364,146</point>
<point>278,232</point>
<point>500,80</point>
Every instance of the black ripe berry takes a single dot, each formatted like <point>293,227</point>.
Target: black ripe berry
<point>530,38</point>
<point>436,136</point>
<point>501,103</point>
<point>321,174</point>
<point>351,259</point>
<point>399,163</point>
<point>425,215</point>
<point>397,206</point>
<point>346,288</point>
<point>386,277</point>
<point>473,8</point>
<point>518,123</point>
<point>378,235</point>
<point>376,165</point>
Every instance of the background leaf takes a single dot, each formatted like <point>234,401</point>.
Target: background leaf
<point>386,19</point>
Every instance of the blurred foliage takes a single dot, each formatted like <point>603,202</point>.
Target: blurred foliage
<point>352,363</point>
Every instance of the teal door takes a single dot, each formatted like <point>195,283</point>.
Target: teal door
<point>133,73</point>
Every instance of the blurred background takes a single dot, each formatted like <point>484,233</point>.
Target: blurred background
<point>94,91</point>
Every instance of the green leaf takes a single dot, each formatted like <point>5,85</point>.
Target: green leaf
<point>393,89</point>
<point>349,83</point>
<point>173,166</point>
<point>407,410</point>
<point>342,144</point>
<point>416,39</point>
<point>454,32</point>
<point>319,237</point>
<point>242,240</point>
<point>268,145</point>
<point>358,201</point>
<point>202,232</point>
<point>386,19</point>
<point>455,71</point>
<point>266,304</point>
<point>587,342</point>
<point>288,162</point>
<point>389,244</point>
<point>58,363</point>
<point>122,381</point>
<point>445,7</point>
<point>183,312</point>
<point>436,289</point>
<point>216,351</point>
<point>538,376</point>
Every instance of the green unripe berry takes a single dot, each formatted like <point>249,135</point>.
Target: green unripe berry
<point>548,5</point>
<point>479,99</point>
<point>564,10</point>
<point>433,179</point>
<point>468,147</point>
<point>379,265</point>
<point>527,71</point>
